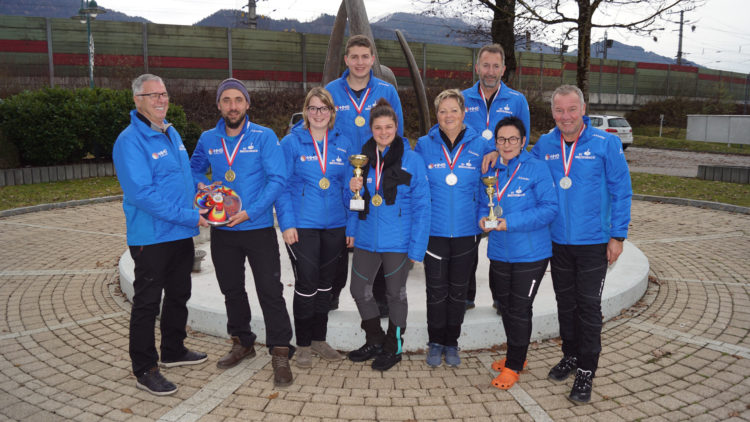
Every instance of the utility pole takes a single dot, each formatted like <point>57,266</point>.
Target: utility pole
<point>606,44</point>
<point>252,18</point>
<point>679,45</point>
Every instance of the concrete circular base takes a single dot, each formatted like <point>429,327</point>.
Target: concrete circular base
<point>625,284</point>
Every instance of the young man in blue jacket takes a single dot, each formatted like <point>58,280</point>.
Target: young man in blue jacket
<point>247,158</point>
<point>154,173</point>
<point>488,102</point>
<point>594,194</point>
<point>355,94</point>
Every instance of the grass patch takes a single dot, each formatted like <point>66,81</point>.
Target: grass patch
<point>684,145</point>
<point>69,190</point>
<point>686,187</point>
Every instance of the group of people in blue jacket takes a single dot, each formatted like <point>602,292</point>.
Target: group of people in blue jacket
<point>566,202</point>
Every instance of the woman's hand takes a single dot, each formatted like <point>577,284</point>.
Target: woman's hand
<point>355,184</point>
<point>349,241</point>
<point>290,236</point>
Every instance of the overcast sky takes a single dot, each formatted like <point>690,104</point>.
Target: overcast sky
<point>721,39</point>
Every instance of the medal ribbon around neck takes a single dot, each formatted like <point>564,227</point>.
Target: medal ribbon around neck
<point>567,163</point>
<point>500,193</point>
<point>230,160</point>
<point>361,105</point>
<point>378,171</point>
<point>484,99</point>
<point>322,158</point>
<point>452,163</point>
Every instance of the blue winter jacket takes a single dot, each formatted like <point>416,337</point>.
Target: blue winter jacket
<point>345,112</point>
<point>507,102</point>
<point>402,227</point>
<point>303,204</point>
<point>453,207</point>
<point>259,166</point>
<point>529,206</point>
<point>597,205</point>
<point>154,175</point>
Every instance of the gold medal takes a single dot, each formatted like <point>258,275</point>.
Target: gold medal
<point>377,200</point>
<point>324,183</point>
<point>230,175</point>
<point>359,121</point>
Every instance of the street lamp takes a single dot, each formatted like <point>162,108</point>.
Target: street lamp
<point>89,11</point>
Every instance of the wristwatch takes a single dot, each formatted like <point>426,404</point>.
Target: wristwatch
<point>619,239</point>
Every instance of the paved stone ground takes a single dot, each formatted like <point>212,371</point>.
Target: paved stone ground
<point>681,353</point>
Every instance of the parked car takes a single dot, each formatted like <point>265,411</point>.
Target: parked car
<point>614,124</point>
<point>296,117</point>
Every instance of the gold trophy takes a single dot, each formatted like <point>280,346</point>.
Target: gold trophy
<point>358,161</point>
<point>490,182</point>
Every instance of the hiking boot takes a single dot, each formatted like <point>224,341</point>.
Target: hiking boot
<point>386,361</point>
<point>564,368</point>
<point>434,355</point>
<point>282,373</point>
<point>236,354</point>
<point>581,392</point>
<point>189,358</point>
<point>303,357</point>
<point>155,383</point>
<point>451,356</point>
<point>325,351</point>
<point>366,352</point>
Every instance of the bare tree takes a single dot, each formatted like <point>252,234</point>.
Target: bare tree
<point>554,12</point>
<point>502,28</point>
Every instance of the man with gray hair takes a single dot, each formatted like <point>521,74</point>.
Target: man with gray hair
<point>594,194</point>
<point>154,173</point>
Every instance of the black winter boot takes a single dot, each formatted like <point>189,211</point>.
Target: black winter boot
<point>373,346</point>
<point>391,354</point>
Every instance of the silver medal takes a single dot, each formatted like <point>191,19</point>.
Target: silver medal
<point>451,179</point>
<point>498,211</point>
<point>487,134</point>
<point>566,183</point>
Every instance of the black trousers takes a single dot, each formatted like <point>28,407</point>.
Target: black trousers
<point>471,293</point>
<point>578,273</point>
<point>365,266</point>
<point>516,285</point>
<point>229,249</point>
<point>316,256</point>
<point>447,266</point>
<point>160,267</point>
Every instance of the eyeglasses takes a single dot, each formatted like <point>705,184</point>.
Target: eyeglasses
<point>513,140</point>
<point>155,95</point>
<point>320,110</point>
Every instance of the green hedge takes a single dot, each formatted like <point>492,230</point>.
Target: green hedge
<point>56,126</point>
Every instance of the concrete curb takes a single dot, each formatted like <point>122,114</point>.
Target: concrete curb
<point>693,203</point>
<point>45,207</point>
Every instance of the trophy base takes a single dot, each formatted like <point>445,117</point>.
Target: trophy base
<point>357,204</point>
<point>490,224</point>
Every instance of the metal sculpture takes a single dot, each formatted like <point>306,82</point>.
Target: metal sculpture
<point>354,11</point>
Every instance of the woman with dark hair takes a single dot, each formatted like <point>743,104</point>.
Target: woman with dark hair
<point>452,153</point>
<point>391,230</point>
<point>312,213</point>
<point>520,245</point>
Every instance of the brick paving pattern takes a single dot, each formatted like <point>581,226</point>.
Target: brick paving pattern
<point>681,353</point>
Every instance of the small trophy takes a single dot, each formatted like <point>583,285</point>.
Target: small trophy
<point>358,161</point>
<point>490,182</point>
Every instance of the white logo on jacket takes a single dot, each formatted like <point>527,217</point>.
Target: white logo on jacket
<point>212,151</point>
<point>517,193</point>
<point>467,165</point>
<point>159,154</point>
<point>587,155</point>
<point>552,157</point>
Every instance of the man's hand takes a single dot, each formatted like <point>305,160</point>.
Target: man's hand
<point>614,249</point>
<point>202,222</point>
<point>349,241</point>
<point>238,218</point>
<point>489,160</point>
<point>290,236</point>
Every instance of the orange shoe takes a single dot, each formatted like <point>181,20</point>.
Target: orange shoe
<point>498,365</point>
<point>506,379</point>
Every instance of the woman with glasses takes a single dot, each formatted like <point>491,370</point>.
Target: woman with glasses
<point>312,213</point>
<point>519,245</point>
<point>452,153</point>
